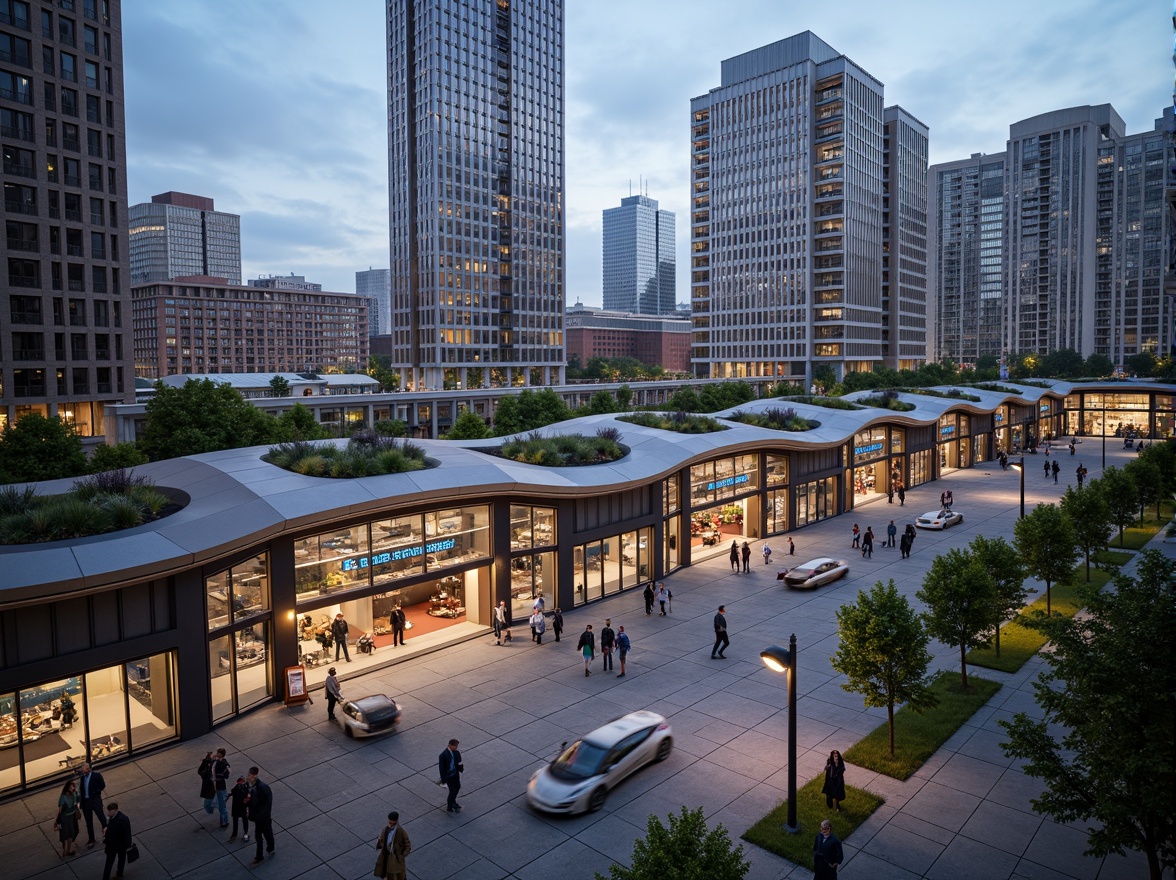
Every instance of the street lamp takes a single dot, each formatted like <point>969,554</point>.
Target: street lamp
<point>1021,467</point>
<point>780,659</point>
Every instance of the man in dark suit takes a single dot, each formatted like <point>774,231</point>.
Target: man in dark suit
<point>827,853</point>
<point>397,619</point>
<point>261,802</point>
<point>117,836</point>
<point>90,788</point>
<point>449,768</point>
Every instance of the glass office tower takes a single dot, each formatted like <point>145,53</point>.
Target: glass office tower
<point>639,258</point>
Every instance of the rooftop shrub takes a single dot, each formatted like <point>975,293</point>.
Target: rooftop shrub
<point>368,453</point>
<point>682,422</point>
<point>776,419</point>
<point>564,450</point>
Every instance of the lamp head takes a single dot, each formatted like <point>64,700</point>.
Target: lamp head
<point>776,658</point>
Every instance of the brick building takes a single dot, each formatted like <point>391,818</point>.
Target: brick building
<point>655,341</point>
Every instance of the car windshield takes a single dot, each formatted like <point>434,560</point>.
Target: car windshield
<point>580,761</point>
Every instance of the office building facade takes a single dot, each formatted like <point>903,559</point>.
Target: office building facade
<point>904,241</point>
<point>476,190</point>
<point>639,258</point>
<point>179,235</point>
<point>376,285</point>
<point>65,347</point>
<point>787,220</point>
<point>655,340</point>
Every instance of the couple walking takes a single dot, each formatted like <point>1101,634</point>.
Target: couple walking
<point>609,640</point>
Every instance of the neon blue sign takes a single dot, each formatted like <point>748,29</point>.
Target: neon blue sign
<point>729,481</point>
<point>399,555</point>
<point>867,449</point>
<point>947,430</point>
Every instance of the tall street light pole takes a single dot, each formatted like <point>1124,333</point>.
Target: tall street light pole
<point>780,659</point>
<point>1020,466</point>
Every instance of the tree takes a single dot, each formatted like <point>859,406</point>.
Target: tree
<point>1063,363</point>
<point>279,387</point>
<point>1145,473</point>
<point>685,851</point>
<point>1087,511</point>
<point>1106,742</point>
<point>1098,365</point>
<point>117,457</point>
<point>202,416</point>
<point>529,410</point>
<point>883,652</point>
<point>1142,364</point>
<point>602,402</point>
<point>684,400</point>
<point>36,448</point>
<point>391,427</point>
<point>961,604</point>
<point>624,397</point>
<point>824,378</point>
<point>468,426</point>
<point>299,423</point>
<point>998,558</point>
<point>1045,541</point>
<point>1118,490</point>
<point>1164,457</point>
<point>379,367</point>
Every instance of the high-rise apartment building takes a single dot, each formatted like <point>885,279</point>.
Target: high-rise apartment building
<point>1058,243</point>
<point>904,241</point>
<point>787,224</point>
<point>65,347</point>
<point>639,258</point>
<point>376,285</point>
<point>476,191</point>
<point>178,235</point>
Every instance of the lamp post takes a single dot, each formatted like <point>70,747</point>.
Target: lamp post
<point>1104,433</point>
<point>780,659</point>
<point>1020,466</point>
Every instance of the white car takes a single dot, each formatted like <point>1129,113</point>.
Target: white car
<point>369,715</point>
<point>580,779</point>
<point>939,519</point>
<point>816,572</point>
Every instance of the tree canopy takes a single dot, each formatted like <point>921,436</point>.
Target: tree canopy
<point>961,604</point>
<point>1087,511</point>
<point>36,448</point>
<point>529,410</point>
<point>1119,493</point>
<point>687,850</point>
<point>202,416</point>
<point>468,426</point>
<point>1106,744</point>
<point>1046,541</point>
<point>1000,560</point>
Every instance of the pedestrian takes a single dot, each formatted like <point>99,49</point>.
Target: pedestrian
<point>1056,468</point>
<point>398,621</point>
<point>334,693</point>
<point>648,594</point>
<point>827,853</point>
<point>901,495</point>
<point>240,809</point>
<point>557,622</point>
<point>950,499</point>
<point>904,545</point>
<point>834,789</point>
<point>500,622</point>
<point>746,553</point>
<point>890,494</point>
<point>507,623</point>
<point>943,499</point>
<point>767,554</point>
<point>392,848</point>
<point>339,630</point>
<point>118,840</point>
<point>662,597</point>
<point>734,556</point>
<point>868,543</point>
<point>891,531</point>
<point>587,647</point>
<point>220,779</point>
<point>624,646</point>
<point>90,786</point>
<point>450,768</point>
<point>539,604</point>
<point>720,634</point>
<point>536,608</point>
<point>857,537</point>
<point>261,806</point>
<point>910,536</point>
<point>69,817</point>
<point>791,548</point>
<point>608,641</point>
<point>1071,447</point>
<point>207,786</point>
<point>538,626</point>
<point>1047,469</point>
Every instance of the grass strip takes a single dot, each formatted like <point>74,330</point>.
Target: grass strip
<point>1136,536</point>
<point>768,833</point>
<point>916,737</point>
<point>1019,642</point>
<point>1110,557</point>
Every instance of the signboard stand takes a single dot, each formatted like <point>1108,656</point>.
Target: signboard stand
<point>296,693</point>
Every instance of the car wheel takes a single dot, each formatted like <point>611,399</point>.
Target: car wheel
<point>350,734</point>
<point>664,748</point>
<point>596,801</point>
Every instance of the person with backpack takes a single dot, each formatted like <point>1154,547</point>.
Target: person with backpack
<point>624,646</point>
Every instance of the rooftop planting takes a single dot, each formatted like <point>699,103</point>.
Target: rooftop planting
<point>367,454</point>
<point>682,422</point>
<point>953,394</point>
<point>564,450</point>
<point>886,400</point>
<point>827,402</point>
<point>775,419</point>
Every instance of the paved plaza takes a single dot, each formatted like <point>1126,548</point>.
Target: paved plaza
<point>965,814</point>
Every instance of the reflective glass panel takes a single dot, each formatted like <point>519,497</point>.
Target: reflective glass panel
<point>106,705</point>
<point>150,682</point>
<point>53,728</point>
<point>220,668</point>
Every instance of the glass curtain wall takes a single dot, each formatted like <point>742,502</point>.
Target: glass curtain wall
<point>239,665</point>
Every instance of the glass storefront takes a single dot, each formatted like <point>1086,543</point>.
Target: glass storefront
<point>604,567</point>
<point>816,500</point>
<point>48,730</point>
<point>955,445</point>
<point>922,471</point>
<point>239,670</point>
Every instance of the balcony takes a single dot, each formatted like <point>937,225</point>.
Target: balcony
<point>20,244</point>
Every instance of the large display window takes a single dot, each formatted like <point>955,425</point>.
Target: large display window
<point>671,495</point>
<point>777,511</point>
<point>530,577</point>
<point>614,564</point>
<point>238,593</point>
<point>722,478</point>
<point>239,670</point>
<point>531,527</point>
<point>51,729</point>
<point>816,500</point>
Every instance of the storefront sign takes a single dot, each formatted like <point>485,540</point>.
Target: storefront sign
<point>999,418</point>
<point>947,431</point>
<point>398,555</point>
<point>729,481</point>
<point>859,451</point>
<point>1045,407</point>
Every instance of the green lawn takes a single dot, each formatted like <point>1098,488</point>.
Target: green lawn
<point>1018,642</point>
<point>916,737</point>
<point>1110,557</point>
<point>768,833</point>
<point>1136,536</point>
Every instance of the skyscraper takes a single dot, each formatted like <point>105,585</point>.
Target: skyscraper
<point>177,235</point>
<point>65,347</point>
<point>639,258</point>
<point>904,241</point>
<point>476,189</point>
<point>376,285</point>
<point>787,220</point>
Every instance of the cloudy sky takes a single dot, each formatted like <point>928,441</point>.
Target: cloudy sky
<point>276,108</point>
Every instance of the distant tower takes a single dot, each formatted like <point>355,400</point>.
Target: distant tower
<point>639,258</point>
<point>376,285</point>
<point>177,235</point>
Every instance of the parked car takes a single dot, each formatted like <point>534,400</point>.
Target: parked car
<point>580,779</point>
<point>939,519</point>
<point>816,572</point>
<point>369,715</point>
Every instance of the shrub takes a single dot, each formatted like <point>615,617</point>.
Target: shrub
<point>368,453</point>
<point>116,482</point>
<point>886,400</point>
<point>561,451</point>
<point>775,419</point>
<point>682,422</point>
<point>611,433</point>
<point>14,501</point>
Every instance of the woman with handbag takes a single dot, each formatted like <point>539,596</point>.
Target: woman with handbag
<point>69,815</point>
<point>393,847</point>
